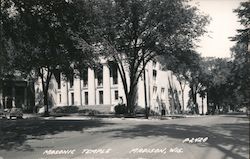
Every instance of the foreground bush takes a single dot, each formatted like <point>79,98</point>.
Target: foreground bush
<point>120,109</point>
<point>89,112</point>
<point>65,109</point>
<point>139,110</point>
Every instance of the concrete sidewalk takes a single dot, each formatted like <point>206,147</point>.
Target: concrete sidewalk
<point>106,116</point>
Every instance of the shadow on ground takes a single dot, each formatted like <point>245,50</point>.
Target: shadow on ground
<point>231,139</point>
<point>14,133</point>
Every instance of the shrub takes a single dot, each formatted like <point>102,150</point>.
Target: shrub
<point>154,113</point>
<point>120,109</point>
<point>89,112</point>
<point>139,110</point>
<point>65,109</point>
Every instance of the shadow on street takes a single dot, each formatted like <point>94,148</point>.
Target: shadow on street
<point>14,133</point>
<point>221,136</point>
<point>232,139</point>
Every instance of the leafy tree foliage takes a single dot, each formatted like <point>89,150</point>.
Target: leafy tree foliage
<point>47,36</point>
<point>226,82</point>
<point>132,32</point>
<point>241,55</point>
<point>186,67</point>
<point>217,82</point>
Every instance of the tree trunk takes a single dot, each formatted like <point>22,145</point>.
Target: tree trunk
<point>145,94</point>
<point>202,105</point>
<point>182,96</point>
<point>45,100</point>
<point>45,86</point>
<point>194,94</point>
<point>131,101</point>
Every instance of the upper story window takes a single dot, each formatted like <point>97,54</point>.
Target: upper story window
<point>114,71</point>
<point>84,77</point>
<point>162,91</point>
<point>71,82</point>
<point>154,89</point>
<point>85,81</point>
<point>154,63</point>
<point>99,75</point>
<point>154,74</point>
<point>115,76</point>
<point>57,75</point>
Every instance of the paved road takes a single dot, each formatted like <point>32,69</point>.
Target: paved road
<point>221,137</point>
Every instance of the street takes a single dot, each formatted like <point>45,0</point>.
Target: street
<point>205,137</point>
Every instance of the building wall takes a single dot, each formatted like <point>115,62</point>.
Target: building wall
<point>16,93</point>
<point>162,89</point>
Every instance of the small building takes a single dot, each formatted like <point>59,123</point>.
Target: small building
<point>17,93</point>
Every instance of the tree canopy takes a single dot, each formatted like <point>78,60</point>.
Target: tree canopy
<point>54,35</point>
<point>132,32</point>
<point>46,36</point>
<point>241,55</point>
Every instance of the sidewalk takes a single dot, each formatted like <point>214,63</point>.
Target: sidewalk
<point>106,116</point>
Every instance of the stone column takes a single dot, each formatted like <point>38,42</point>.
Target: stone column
<point>91,86</point>
<point>77,91</point>
<point>64,93</point>
<point>106,85</point>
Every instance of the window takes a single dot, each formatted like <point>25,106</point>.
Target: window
<point>154,63</point>
<point>58,79</point>
<point>60,98</point>
<point>116,95</point>
<point>85,82</point>
<point>59,83</point>
<point>72,99</point>
<point>100,97</point>
<point>115,75</point>
<point>84,76</point>
<point>71,82</point>
<point>100,81</point>
<point>154,74</point>
<point>86,97</point>
<point>154,89</point>
<point>113,71</point>
<point>99,75</point>
<point>162,90</point>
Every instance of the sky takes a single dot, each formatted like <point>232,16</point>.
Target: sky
<point>223,24</point>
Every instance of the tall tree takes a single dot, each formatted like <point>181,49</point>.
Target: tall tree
<point>241,55</point>
<point>184,64</point>
<point>134,31</point>
<point>215,77</point>
<point>47,36</point>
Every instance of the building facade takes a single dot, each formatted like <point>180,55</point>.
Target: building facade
<point>101,89</point>
<point>17,93</point>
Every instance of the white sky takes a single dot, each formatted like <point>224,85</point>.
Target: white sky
<point>223,24</point>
